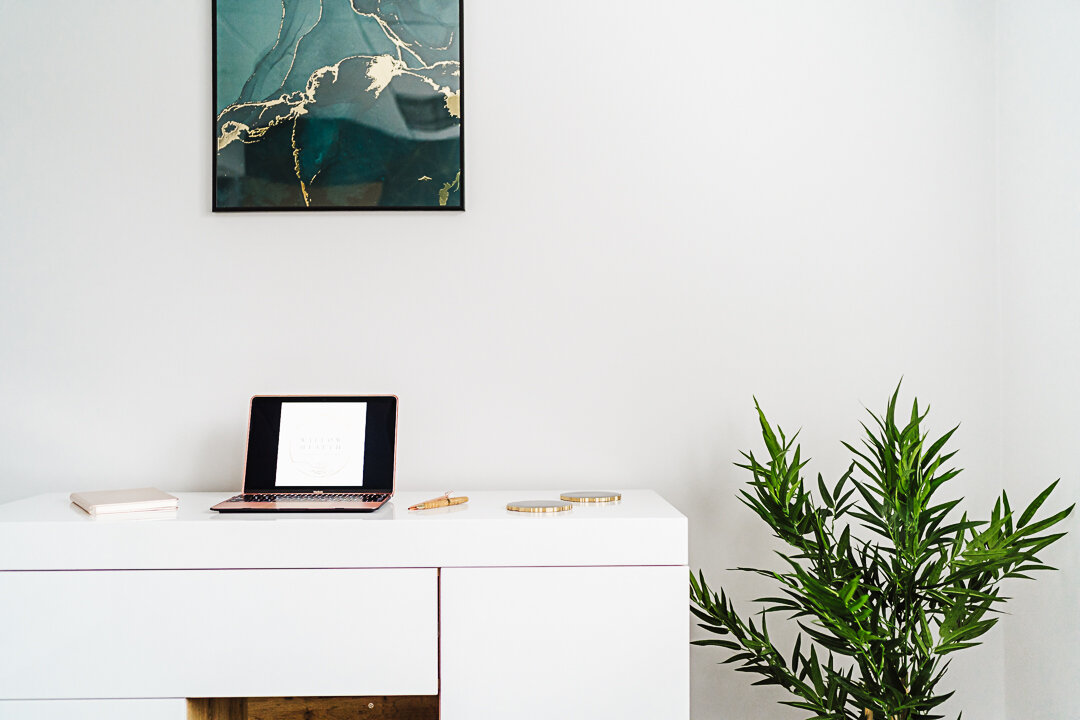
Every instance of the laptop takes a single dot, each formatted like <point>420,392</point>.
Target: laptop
<point>318,453</point>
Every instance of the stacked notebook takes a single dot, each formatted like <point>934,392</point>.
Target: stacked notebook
<point>115,502</point>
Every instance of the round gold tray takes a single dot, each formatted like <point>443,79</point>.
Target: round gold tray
<point>591,496</point>
<point>538,506</point>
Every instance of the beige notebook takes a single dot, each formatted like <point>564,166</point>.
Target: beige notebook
<point>107,502</point>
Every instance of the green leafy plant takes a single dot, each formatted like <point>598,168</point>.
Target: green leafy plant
<point>879,613</point>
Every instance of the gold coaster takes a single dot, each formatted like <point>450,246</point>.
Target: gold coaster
<point>538,506</point>
<point>591,496</point>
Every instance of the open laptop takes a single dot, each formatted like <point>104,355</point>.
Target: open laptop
<point>318,454</point>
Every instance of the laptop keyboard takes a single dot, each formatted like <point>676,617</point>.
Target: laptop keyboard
<point>308,497</point>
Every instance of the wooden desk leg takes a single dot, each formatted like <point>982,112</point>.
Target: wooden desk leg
<point>387,707</point>
<point>217,709</point>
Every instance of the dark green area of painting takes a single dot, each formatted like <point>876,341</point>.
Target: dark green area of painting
<point>358,166</point>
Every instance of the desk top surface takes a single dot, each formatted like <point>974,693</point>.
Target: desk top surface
<point>47,532</point>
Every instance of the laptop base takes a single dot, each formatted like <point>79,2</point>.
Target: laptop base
<point>303,502</point>
<point>280,508</point>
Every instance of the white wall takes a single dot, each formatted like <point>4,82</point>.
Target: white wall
<point>1038,56</point>
<point>669,210</point>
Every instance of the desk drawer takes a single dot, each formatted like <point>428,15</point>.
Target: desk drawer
<point>218,633</point>
<point>608,643</point>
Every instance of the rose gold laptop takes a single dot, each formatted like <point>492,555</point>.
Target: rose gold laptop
<point>318,453</point>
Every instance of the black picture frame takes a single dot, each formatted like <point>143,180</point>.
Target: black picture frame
<point>220,208</point>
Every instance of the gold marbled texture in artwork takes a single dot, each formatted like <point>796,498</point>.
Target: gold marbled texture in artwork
<point>382,70</point>
<point>444,193</point>
<point>453,104</point>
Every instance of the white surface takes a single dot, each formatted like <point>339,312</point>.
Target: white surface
<point>165,709</point>
<point>1038,67</point>
<point>798,202</point>
<point>321,444</point>
<point>220,633</point>
<point>47,533</point>
<point>572,643</point>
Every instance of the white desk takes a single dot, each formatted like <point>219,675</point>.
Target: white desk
<point>486,608</point>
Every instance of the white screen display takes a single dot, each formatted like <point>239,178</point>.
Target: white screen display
<point>321,444</point>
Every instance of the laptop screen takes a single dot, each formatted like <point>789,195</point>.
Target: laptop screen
<point>330,443</point>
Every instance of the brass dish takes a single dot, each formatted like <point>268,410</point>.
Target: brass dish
<point>591,496</point>
<point>538,506</point>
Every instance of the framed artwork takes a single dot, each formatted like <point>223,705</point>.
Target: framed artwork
<point>338,105</point>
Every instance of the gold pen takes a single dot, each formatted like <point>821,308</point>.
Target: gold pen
<point>441,501</point>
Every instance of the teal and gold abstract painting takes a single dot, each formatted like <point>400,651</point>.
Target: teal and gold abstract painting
<point>338,104</point>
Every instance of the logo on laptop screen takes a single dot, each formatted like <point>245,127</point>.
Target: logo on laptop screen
<point>321,455</point>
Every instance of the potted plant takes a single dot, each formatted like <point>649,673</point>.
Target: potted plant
<point>882,578</point>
